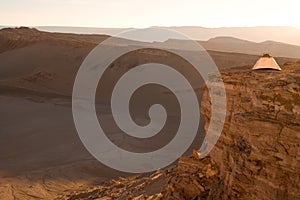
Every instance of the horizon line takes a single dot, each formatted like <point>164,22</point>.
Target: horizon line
<point>179,26</point>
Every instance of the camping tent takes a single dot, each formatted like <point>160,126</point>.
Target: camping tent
<point>266,62</point>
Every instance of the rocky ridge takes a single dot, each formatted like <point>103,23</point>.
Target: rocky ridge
<point>256,157</point>
<point>191,178</point>
<point>258,151</point>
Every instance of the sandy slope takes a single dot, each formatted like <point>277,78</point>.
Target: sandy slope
<point>40,151</point>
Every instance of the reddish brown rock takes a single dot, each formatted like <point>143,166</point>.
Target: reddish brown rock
<point>258,151</point>
<point>256,156</point>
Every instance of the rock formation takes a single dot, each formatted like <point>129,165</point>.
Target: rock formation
<point>256,157</point>
<point>258,151</point>
<point>191,178</point>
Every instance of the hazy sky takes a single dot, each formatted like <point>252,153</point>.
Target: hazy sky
<point>142,13</point>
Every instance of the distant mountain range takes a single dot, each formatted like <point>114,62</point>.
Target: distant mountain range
<point>281,34</point>
<point>220,44</point>
<point>230,44</point>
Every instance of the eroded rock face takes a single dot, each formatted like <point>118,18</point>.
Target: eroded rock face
<point>256,156</point>
<point>191,178</point>
<point>258,151</point>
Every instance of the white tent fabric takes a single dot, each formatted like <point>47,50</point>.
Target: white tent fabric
<point>266,63</point>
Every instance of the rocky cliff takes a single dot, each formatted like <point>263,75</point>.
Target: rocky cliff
<point>191,178</point>
<point>258,151</point>
<point>256,157</point>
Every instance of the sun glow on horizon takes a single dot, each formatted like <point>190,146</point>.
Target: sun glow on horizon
<point>142,14</point>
